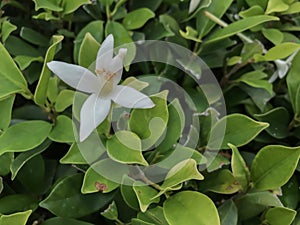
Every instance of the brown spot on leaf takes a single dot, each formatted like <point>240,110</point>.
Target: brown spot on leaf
<point>100,186</point>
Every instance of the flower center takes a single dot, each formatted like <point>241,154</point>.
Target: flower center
<point>108,81</point>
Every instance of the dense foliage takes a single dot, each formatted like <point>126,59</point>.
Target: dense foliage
<point>48,177</point>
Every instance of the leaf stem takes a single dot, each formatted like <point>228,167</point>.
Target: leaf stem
<point>143,177</point>
<point>224,24</point>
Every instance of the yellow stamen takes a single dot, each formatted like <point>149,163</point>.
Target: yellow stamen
<point>100,71</point>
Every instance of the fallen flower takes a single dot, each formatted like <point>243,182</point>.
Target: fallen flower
<point>102,88</point>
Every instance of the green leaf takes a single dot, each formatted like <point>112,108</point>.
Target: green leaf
<point>45,16</point>
<point>88,51</point>
<point>294,8</point>
<point>290,193</point>
<point>6,106</point>
<point>252,204</point>
<point>279,119</point>
<point>239,168</point>
<point>276,6</point>
<point>239,26</point>
<point>153,216</point>
<point>252,11</point>
<point>183,171</point>
<point>128,193</point>
<point>63,130</point>
<point>17,203</point>
<point>64,221</point>
<point>6,29</point>
<point>125,147</point>
<point>279,51</point>
<point>111,212</point>
<point>137,18</point>
<point>273,35</point>
<point>53,5</point>
<point>5,161</point>
<point>184,206</point>
<point>11,78</point>
<point>220,181</point>
<point>190,34</point>
<point>71,6</point>
<point>66,194</point>
<point>93,178</point>
<point>17,46</point>
<point>64,99</point>
<point>95,28</point>
<point>235,133</point>
<point>262,3</point>
<point>135,83</point>
<point>34,37</point>
<point>280,215</point>
<point>1,185</point>
<point>145,194</point>
<point>19,218</point>
<point>40,94</point>
<point>204,24</point>
<point>150,124</point>
<point>30,135</point>
<point>23,158</point>
<point>24,61</point>
<point>73,156</point>
<point>256,79</point>
<point>273,166</point>
<point>52,90</point>
<point>228,213</point>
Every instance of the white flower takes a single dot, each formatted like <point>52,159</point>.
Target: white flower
<point>102,87</point>
<point>283,67</point>
<point>193,5</point>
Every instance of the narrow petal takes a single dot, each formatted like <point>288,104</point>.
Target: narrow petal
<point>94,110</point>
<point>76,76</point>
<point>282,68</point>
<point>131,98</point>
<point>105,53</point>
<point>193,5</point>
<point>116,65</point>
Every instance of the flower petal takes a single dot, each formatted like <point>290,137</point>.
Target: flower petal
<point>116,65</point>
<point>93,112</point>
<point>131,98</point>
<point>76,76</point>
<point>105,53</point>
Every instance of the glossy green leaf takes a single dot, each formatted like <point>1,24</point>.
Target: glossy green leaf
<point>73,156</point>
<point>88,51</point>
<point>153,216</point>
<point>45,16</point>
<point>279,119</point>
<point>150,124</point>
<point>273,166</point>
<point>221,181</point>
<point>273,35</point>
<point>64,99</point>
<point>126,147</point>
<point>71,6</point>
<point>228,213</point>
<point>5,161</point>
<point>204,24</point>
<point>234,133</point>
<point>93,178</point>
<point>256,79</point>
<point>65,196</point>
<point>252,204</point>
<point>23,158</point>
<point>276,6</point>
<point>252,11</point>
<point>62,130</point>
<point>17,203</point>
<point>6,106</point>
<point>6,29</point>
<point>53,5</point>
<point>64,221</point>
<point>52,90</point>
<point>135,83</point>
<point>111,212</point>
<point>184,206</point>
<point>95,28</point>
<point>1,185</point>
<point>19,218</point>
<point>137,18</point>
<point>26,140</point>
<point>34,37</point>
<point>239,26</point>
<point>17,46</point>
<point>128,193</point>
<point>145,194</point>
<point>239,168</point>
<point>280,215</point>
<point>40,94</point>
<point>190,34</point>
<point>262,3</point>
<point>290,194</point>
<point>24,61</point>
<point>11,78</point>
<point>294,8</point>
